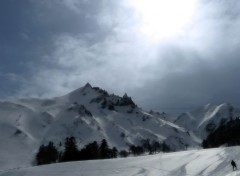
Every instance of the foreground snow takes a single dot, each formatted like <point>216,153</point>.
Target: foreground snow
<point>212,162</point>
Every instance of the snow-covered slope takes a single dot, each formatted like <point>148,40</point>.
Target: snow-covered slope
<point>88,114</point>
<point>211,162</point>
<point>206,119</point>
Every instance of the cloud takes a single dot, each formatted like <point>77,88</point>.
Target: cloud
<point>100,42</point>
<point>118,58</point>
<point>75,62</point>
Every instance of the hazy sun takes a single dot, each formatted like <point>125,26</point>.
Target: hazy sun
<point>164,18</point>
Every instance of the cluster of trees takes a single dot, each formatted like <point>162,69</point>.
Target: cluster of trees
<point>149,147</point>
<point>227,134</point>
<point>49,154</point>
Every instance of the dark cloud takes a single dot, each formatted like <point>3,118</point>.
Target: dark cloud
<point>28,31</point>
<point>50,47</point>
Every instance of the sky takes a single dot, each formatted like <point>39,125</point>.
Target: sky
<point>166,55</point>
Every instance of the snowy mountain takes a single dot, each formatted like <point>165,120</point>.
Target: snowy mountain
<point>207,119</point>
<point>92,114</point>
<point>211,162</point>
<point>89,114</point>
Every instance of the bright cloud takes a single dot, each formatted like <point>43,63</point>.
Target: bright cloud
<point>160,19</point>
<point>110,44</point>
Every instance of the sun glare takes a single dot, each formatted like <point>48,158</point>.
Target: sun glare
<point>162,19</point>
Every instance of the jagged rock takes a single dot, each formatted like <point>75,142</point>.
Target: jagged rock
<point>101,91</point>
<point>81,109</point>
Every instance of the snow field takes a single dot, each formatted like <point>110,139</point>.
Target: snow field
<point>211,162</point>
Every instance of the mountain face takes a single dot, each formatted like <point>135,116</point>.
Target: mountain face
<point>88,114</point>
<point>227,134</point>
<point>207,119</point>
<point>91,114</point>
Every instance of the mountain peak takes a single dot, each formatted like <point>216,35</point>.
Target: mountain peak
<point>125,95</point>
<point>88,85</point>
<point>74,95</point>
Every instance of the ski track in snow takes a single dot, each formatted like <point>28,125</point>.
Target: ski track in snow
<point>211,162</point>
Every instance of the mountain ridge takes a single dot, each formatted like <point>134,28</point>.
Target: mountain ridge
<point>90,114</point>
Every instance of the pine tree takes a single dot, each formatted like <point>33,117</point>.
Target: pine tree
<point>136,150</point>
<point>114,152</point>
<point>51,152</point>
<point>90,151</point>
<point>147,146</point>
<point>123,153</point>
<point>104,149</point>
<point>40,157</point>
<point>70,152</point>
<point>47,154</point>
<point>93,149</point>
<point>156,146</point>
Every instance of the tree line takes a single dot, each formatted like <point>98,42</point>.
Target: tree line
<point>50,154</point>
